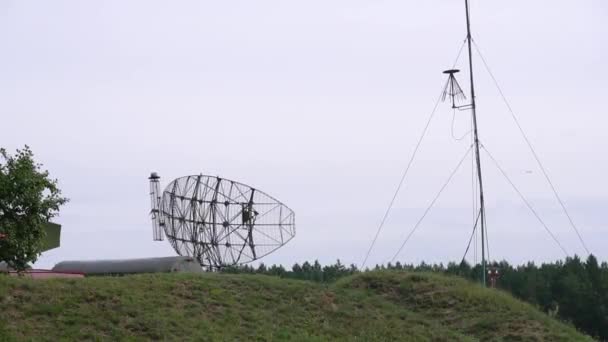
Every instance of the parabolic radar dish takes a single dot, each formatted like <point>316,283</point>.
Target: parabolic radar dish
<point>218,221</point>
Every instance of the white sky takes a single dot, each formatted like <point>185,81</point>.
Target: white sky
<point>318,103</point>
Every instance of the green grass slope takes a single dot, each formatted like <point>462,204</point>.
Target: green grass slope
<point>376,306</point>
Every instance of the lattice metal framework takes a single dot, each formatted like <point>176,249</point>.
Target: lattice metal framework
<point>218,221</point>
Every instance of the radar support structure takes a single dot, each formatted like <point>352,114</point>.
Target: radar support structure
<point>482,209</point>
<point>453,90</point>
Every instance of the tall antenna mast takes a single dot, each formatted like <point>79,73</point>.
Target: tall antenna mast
<point>482,209</point>
<point>456,94</point>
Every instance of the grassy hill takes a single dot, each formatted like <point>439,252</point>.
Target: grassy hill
<point>382,306</point>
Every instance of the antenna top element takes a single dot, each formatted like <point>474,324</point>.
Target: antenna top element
<point>452,89</point>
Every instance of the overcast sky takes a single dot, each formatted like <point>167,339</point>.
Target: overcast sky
<point>319,104</point>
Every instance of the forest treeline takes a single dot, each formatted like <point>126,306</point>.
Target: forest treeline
<point>572,290</point>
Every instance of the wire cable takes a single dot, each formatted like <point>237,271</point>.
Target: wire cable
<point>431,204</point>
<point>485,224</point>
<point>471,238</point>
<point>474,194</point>
<point>452,130</point>
<point>540,164</point>
<point>525,200</point>
<point>407,168</point>
<point>459,53</point>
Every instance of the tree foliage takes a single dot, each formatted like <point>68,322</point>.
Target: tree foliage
<point>28,199</point>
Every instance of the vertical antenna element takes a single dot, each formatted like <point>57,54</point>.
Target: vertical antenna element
<point>482,210</point>
<point>157,219</point>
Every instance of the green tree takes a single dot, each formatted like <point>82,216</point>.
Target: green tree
<point>28,199</point>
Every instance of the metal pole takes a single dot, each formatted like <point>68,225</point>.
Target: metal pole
<point>476,139</point>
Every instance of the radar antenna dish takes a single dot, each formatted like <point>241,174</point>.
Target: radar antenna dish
<point>217,221</point>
